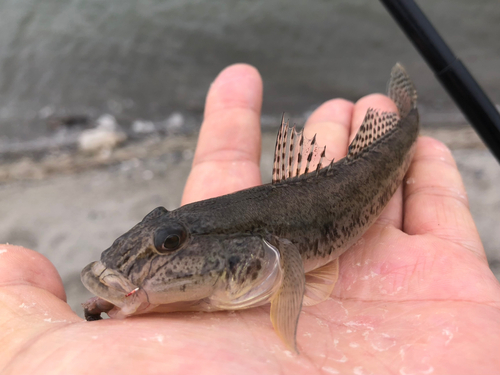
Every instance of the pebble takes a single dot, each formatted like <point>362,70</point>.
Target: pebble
<point>105,136</point>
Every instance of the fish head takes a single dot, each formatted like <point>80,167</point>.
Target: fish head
<point>162,264</point>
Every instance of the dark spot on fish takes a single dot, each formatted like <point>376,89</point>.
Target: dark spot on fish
<point>255,275</point>
<point>232,262</point>
<point>258,265</point>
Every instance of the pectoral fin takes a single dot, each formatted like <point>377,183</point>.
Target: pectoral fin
<point>320,283</point>
<point>287,302</point>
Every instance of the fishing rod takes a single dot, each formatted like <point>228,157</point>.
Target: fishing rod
<point>449,70</point>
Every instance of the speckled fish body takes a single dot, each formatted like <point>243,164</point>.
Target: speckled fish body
<point>275,243</point>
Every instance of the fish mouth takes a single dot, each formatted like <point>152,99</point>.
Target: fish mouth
<point>123,297</point>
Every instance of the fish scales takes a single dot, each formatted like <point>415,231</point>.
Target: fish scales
<point>275,243</point>
<point>316,207</point>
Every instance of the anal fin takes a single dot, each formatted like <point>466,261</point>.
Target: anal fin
<point>287,302</point>
<point>320,283</point>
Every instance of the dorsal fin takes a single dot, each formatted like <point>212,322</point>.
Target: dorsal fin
<point>294,154</point>
<point>280,163</point>
<point>377,124</point>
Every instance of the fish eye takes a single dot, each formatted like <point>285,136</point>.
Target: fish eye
<point>172,242</point>
<point>169,239</point>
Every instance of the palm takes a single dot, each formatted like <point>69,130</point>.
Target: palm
<point>415,295</point>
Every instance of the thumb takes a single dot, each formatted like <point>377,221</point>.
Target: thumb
<point>21,266</point>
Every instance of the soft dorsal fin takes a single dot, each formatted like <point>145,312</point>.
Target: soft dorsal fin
<point>377,124</point>
<point>295,154</point>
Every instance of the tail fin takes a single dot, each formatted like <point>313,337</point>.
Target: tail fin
<point>402,91</point>
<point>377,124</point>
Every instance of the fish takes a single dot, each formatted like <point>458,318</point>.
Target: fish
<point>277,243</point>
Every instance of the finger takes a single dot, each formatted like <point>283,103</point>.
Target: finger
<point>376,101</point>
<point>435,200</point>
<point>32,299</point>
<point>228,151</point>
<point>20,266</point>
<point>393,212</point>
<point>331,123</point>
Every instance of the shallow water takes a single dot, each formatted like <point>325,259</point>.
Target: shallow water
<point>89,57</point>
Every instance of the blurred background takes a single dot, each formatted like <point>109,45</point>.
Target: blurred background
<point>100,102</point>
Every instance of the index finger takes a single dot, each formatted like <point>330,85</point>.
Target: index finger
<point>228,151</point>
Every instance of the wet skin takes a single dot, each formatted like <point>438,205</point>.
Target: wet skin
<point>415,295</point>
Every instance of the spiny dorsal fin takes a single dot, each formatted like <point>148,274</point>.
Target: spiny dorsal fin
<point>310,151</point>
<point>277,150</point>
<point>377,124</point>
<point>320,163</point>
<point>294,154</point>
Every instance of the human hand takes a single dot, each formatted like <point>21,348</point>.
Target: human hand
<point>415,294</point>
